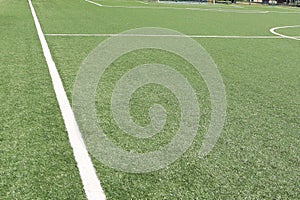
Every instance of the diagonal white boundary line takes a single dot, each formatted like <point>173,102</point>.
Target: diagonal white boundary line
<point>86,169</point>
<point>143,35</point>
<point>97,4</point>
<point>272,30</point>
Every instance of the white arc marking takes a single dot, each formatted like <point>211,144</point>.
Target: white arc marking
<point>272,30</point>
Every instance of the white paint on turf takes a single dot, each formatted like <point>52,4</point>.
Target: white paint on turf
<point>215,9</point>
<point>86,169</point>
<point>178,8</point>
<point>97,4</point>
<point>142,2</point>
<point>281,12</point>
<point>143,35</point>
<point>273,30</point>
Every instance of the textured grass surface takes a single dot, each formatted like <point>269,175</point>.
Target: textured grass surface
<point>35,158</point>
<point>293,31</point>
<point>256,157</point>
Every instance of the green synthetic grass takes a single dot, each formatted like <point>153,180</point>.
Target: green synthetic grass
<point>95,19</point>
<point>36,161</point>
<point>293,31</point>
<point>257,155</point>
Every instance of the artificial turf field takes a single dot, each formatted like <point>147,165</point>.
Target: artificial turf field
<point>257,155</point>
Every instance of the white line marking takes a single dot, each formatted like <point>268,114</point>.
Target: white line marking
<point>142,35</point>
<point>236,6</point>
<point>142,2</point>
<point>287,8</point>
<point>199,9</point>
<point>176,8</point>
<point>97,4</point>
<point>231,10</point>
<point>197,4</point>
<point>272,30</point>
<point>281,12</point>
<point>86,169</point>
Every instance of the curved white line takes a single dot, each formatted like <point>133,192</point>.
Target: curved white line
<point>272,30</point>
